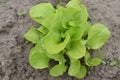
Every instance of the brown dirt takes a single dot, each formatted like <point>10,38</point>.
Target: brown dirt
<point>14,53</point>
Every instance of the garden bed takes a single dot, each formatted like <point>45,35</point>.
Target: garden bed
<point>15,21</point>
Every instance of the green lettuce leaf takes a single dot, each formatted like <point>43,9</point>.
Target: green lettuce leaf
<point>77,50</point>
<point>52,21</point>
<point>83,13</point>
<point>87,57</point>
<point>85,26</point>
<point>95,61</point>
<point>69,14</point>
<point>75,33</point>
<point>82,72</point>
<point>74,67</point>
<point>43,30</point>
<point>57,57</point>
<point>74,4</point>
<point>91,62</point>
<point>41,11</point>
<point>58,70</point>
<point>66,15</point>
<point>32,35</point>
<point>52,42</point>
<point>81,31</point>
<point>97,36</point>
<point>38,58</point>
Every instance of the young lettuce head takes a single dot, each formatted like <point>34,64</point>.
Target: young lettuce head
<point>64,31</point>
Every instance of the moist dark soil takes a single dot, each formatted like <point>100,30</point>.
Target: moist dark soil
<point>14,53</point>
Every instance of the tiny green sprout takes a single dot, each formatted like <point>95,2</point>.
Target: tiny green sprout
<point>104,62</point>
<point>113,63</point>
<point>19,46</point>
<point>119,65</point>
<point>2,4</point>
<point>119,61</point>
<point>65,31</point>
<point>22,14</point>
<point>118,58</point>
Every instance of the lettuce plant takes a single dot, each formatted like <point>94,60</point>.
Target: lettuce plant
<point>64,31</point>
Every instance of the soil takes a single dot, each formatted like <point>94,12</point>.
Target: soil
<point>14,64</point>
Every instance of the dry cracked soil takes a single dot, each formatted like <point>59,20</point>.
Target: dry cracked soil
<point>14,64</point>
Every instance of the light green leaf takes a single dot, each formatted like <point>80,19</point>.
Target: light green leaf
<point>97,36</point>
<point>81,30</point>
<point>66,15</point>
<point>69,14</point>
<point>43,30</point>
<point>77,50</point>
<point>82,72</point>
<point>113,63</point>
<point>85,26</point>
<point>75,33</point>
<point>87,58</point>
<point>104,62</point>
<point>118,58</point>
<point>58,70</point>
<point>74,67</point>
<point>38,58</point>
<point>83,41</point>
<point>41,11</point>
<point>51,21</point>
<point>83,13</point>
<point>95,61</point>
<point>57,57</point>
<point>32,35</point>
<point>91,62</point>
<point>74,4</point>
<point>52,42</point>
